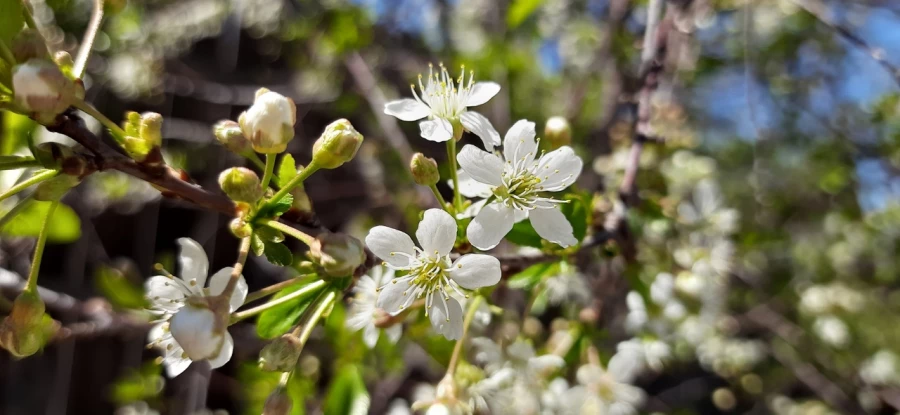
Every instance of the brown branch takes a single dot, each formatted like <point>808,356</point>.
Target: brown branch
<point>819,11</point>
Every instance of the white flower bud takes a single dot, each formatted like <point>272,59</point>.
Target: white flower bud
<point>41,88</point>
<point>338,254</point>
<point>194,328</point>
<point>558,132</point>
<point>230,135</point>
<point>269,123</point>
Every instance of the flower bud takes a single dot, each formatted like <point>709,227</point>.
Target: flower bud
<point>41,89</point>
<point>281,355</point>
<point>151,128</point>
<point>240,228</point>
<point>241,184</point>
<point>22,331</point>
<point>197,331</point>
<point>28,44</point>
<point>55,188</point>
<point>337,145</point>
<point>278,403</point>
<point>229,134</point>
<point>269,123</point>
<point>424,170</point>
<point>558,132</point>
<point>337,254</point>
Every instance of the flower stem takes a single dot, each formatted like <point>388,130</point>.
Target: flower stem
<point>19,163</point>
<point>440,198</point>
<point>254,158</point>
<point>117,132</point>
<point>457,349</point>
<point>296,233</point>
<point>306,290</point>
<point>37,178</point>
<point>14,211</point>
<point>274,288</point>
<point>31,285</point>
<point>313,320</point>
<point>299,178</point>
<point>268,170</point>
<point>451,158</point>
<point>84,51</point>
<point>243,250</point>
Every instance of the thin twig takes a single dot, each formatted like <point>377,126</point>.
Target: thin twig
<point>84,51</point>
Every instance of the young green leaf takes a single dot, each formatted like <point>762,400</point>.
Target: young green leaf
<point>11,19</point>
<point>64,227</point>
<point>531,276</point>
<point>286,170</point>
<point>279,319</point>
<point>347,393</point>
<point>257,244</point>
<point>278,254</point>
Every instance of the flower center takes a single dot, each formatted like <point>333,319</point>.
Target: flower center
<point>519,191</point>
<point>445,96</point>
<point>429,276</point>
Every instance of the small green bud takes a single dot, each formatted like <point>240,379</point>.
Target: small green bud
<point>558,132</point>
<point>151,128</point>
<point>240,228</point>
<point>424,170</point>
<point>22,332</point>
<point>55,188</point>
<point>337,254</point>
<point>278,403</point>
<point>241,184</point>
<point>41,89</point>
<point>281,355</point>
<point>229,134</point>
<point>337,145</point>
<point>269,122</point>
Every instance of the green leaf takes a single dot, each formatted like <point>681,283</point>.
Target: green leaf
<point>531,276</point>
<point>16,130</point>
<point>276,209</point>
<point>521,10</point>
<point>279,319</point>
<point>523,234</point>
<point>268,234</point>
<point>347,393</point>
<point>286,170</point>
<point>64,226</point>
<point>11,20</point>
<point>278,254</point>
<point>577,214</point>
<point>257,245</point>
<point>116,287</point>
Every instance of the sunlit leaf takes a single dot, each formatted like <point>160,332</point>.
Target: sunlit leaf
<point>521,10</point>
<point>347,393</point>
<point>64,226</point>
<point>279,319</point>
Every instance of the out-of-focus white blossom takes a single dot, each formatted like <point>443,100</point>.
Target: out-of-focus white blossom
<point>832,330</point>
<point>364,313</point>
<point>883,368</point>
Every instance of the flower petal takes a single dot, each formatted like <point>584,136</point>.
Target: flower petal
<point>625,365</point>
<point>193,263</point>
<point>553,226</point>
<point>394,332</point>
<point>480,126</point>
<point>470,187</point>
<point>472,210</point>
<point>163,290</point>
<point>436,232</point>
<point>438,129</point>
<point>482,166</point>
<point>407,109</point>
<point>370,335</point>
<point>220,279</point>
<point>446,320</point>
<point>546,363</point>
<point>519,142</point>
<point>559,168</point>
<point>175,365</point>
<point>394,294</point>
<point>482,92</point>
<point>384,242</point>
<point>474,271</point>
<point>490,225</point>
<point>225,352</point>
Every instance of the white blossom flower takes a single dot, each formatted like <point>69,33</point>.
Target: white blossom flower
<point>708,209</point>
<point>883,368</point>
<point>517,375</point>
<point>364,312</point>
<point>186,331</point>
<point>517,181</point>
<point>652,353</point>
<point>445,101</point>
<point>269,122</point>
<point>567,287</point>
<point>606,391</point>
<point>832,330</point>
<point>430,271</point>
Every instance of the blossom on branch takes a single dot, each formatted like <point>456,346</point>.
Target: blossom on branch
<point>430,273</point>
<point>186,329</point>
<point>518,181</point>
<point>445,103</point>
<point>364,312</point>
